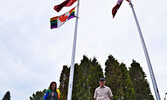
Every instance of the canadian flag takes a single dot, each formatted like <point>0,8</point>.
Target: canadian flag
<point>58,21</point>
<point>62,19</point>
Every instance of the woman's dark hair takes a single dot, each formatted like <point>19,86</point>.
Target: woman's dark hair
<point>50,87</point>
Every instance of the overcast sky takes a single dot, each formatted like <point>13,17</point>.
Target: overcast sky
<point>32,55</point>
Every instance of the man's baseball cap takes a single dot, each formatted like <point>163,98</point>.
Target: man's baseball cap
<point>102,79</point>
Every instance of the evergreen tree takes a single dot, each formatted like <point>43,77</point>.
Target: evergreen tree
<point>89,73</point>
<point>64,79</point>
<point>6,96</point>
<point>140,83</point>
<point>114,77</point>
<point>128,89</point>
<point>38,95</point>
<point>94,74</point>
<point>82,82</point>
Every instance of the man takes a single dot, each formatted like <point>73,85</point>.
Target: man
<point>103,92</point>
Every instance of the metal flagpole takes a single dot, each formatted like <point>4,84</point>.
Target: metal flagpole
<point>73,57</point>
<point>146,54</point>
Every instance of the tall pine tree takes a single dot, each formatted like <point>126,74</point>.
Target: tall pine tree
<point>89,72</point>
<point>95,73</point>
<point>128,89</point>
<point>140,83</point>
<point>64,79</point>
<point>114,77</point>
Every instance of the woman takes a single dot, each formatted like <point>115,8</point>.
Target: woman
<point>52,93</point>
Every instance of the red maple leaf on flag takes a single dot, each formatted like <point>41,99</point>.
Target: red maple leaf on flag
<point>63,18</point>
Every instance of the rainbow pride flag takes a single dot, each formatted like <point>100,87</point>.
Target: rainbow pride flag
<point>58,21</point>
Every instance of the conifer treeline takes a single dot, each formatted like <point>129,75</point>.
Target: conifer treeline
<point>125,84</point>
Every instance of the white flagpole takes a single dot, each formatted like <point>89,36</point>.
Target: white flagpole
<point>73,57</point>
<point>146,54</point>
